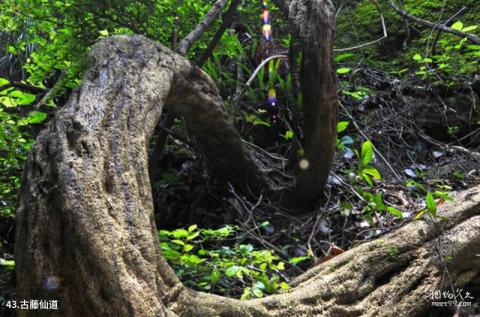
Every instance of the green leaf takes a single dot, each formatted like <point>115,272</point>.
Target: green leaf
<point>264,224</point>
<point>470,28</point>
<point>179,242</point>
<point>343,70</point>
<point>431,205</point>
<point>346,140</point>
<point>342,126</point>
<point>297,259</point>
<point>420,214</point>
<point>193,235</point>
<point>246,293</point>
<point>281,266</point>
<point>103,32</point>
<point>343,56</point>
<point>366,178</point>
<point>367,153</point>
<point>215,276</point>
<point>192,228</point>
<point>36,117</point>
<point>257,292</point>
<point>187,248</point>
<point>372,171</point>
<point>180,233</point>
<point>259,285</point>
<point>7,263</point>
<point>417,57</point>
<point>394,211</point>
<point>232,271</point>
<point>457,26</point>
<point>3,81</point>
<point>22,98</point>
<point>288,135</point>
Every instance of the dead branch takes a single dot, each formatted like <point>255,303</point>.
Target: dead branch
<point>436,26</point>
<point>218,35</point>
<point>201,27</point>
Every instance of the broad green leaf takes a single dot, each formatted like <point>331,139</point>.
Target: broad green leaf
<point>367,153</point>
<point>232,271</point>
<point>372,171</point>
<point>187,248</point>
<point>22,98</point>
<point>342,126</point>
<point>417,57</point>
<point>8,102</point>
<point>36,117</point>
<point>193,235</point>
<point>179,242</point>
<point>180,233</point>
<point>257,292</point>
<point>192,228</point>
<point>281,266</point>
<point>215,276</point>
<point>259,285</point>
<point>343,70</point>
<point>457,26</point>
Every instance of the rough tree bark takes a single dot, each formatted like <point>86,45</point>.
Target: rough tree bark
<point>312,24</point>
<point>85,229</point>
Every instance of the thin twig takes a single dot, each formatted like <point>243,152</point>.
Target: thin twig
<point>259,67</point>
<point>201,27</point>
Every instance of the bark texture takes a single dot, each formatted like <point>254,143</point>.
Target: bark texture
<point>312,24</point>
<point>85,222</point>
<point>85,229</point>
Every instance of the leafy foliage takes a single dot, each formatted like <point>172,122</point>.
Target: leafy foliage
<point>202,261</point>
<point>365,170</point>
<point>15,141</point>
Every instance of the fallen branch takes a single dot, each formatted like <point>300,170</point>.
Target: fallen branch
<point>436,26</point>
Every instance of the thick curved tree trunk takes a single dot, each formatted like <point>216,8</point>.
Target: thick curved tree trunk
<point>85,229</point>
